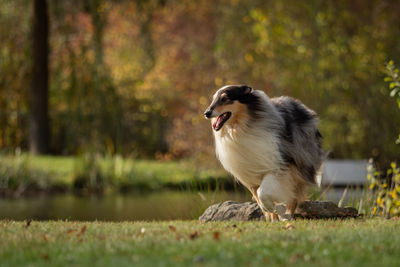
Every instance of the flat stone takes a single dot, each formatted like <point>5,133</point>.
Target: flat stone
<point>232,211</point>
<point>324,209</point>
<point>249,211</point>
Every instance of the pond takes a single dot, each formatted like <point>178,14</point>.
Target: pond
<point>166,205</point>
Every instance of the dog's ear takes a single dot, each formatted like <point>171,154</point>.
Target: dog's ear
<point>238,92</point>
<point>245,95</point>
<point>247,89</point>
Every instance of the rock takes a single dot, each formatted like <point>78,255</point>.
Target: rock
<point>249,211</point>
<point>232,211</point>
<point>324,209</point>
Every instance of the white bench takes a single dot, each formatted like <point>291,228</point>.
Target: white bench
<point>341,173</point>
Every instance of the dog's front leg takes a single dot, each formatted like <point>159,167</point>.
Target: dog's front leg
<point>269,192</point>
<point>268,216</point>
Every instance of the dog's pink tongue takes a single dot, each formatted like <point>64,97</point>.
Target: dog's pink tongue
<point>217,123</point>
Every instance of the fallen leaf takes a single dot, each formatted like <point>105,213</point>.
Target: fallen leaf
<point>289,226</point>
<point>216,236</point>
<point>83,230</point>
<point>70,231</point>
<point>28,223</point>
<point>45,256</point>
<point>45,238</point>
<point>194,235</point>
<point>295,257</point>
<point>172,228</point>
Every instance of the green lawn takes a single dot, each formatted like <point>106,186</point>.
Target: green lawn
<point>371,242</point>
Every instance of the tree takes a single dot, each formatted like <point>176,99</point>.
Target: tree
<point>39,134</point>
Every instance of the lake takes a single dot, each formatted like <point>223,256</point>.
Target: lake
<point>164,205</point>
<point>170,205</point>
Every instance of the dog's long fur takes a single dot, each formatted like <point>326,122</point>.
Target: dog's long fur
<point>272,146</point>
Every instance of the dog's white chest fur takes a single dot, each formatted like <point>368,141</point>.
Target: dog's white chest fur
<point>248,155</point>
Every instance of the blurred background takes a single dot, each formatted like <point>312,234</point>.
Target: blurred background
<point>113,92</point>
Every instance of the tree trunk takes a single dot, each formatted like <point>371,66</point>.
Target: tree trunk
<point>39,135</point>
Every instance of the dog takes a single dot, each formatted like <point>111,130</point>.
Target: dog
<point>270,145</point>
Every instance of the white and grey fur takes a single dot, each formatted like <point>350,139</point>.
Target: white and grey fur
<point>274,147</point>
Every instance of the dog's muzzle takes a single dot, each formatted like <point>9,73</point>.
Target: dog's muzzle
<point>208,113</point>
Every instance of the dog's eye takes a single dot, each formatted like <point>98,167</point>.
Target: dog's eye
<point>224,99</point>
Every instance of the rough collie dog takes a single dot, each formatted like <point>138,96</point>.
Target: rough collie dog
<point>272,146</point>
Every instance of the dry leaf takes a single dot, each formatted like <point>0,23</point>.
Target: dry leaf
<point>289,226</point>
<point>28,223</point>
<point>216,236</point>
<point>194,235</point>
<point>83,230</point>
<point>295,257</point>
<point>172,228</point>
<point>70,231</point>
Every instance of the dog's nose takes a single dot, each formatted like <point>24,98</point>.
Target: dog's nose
<point>208,113</point>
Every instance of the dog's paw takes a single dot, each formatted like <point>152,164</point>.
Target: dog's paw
<point>281,211</point>
<point>285,217</point>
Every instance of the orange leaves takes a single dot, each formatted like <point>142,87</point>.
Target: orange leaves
<point>216,235</point>
<point>70,231</point>
<point>194,235</point>
<point>289,226</point>
<point>83,230</point>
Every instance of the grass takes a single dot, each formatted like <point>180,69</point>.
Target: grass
<point>370,242</point>
<point>21,174</point>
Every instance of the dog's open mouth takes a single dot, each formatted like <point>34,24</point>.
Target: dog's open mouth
<point>220,121</point>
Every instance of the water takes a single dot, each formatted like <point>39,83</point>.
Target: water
<point>166,205</point>
<point>126,207</point>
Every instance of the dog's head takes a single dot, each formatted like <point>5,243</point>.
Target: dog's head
<point>227,104</point>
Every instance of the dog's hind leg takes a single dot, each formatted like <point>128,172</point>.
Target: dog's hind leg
<point>291,208</point>
<point>286,212</point>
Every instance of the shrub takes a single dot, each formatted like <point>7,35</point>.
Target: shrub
<point>387,191</point>
<point>387,187</point>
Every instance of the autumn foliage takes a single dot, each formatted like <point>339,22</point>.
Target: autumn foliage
<point>134,77</point>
